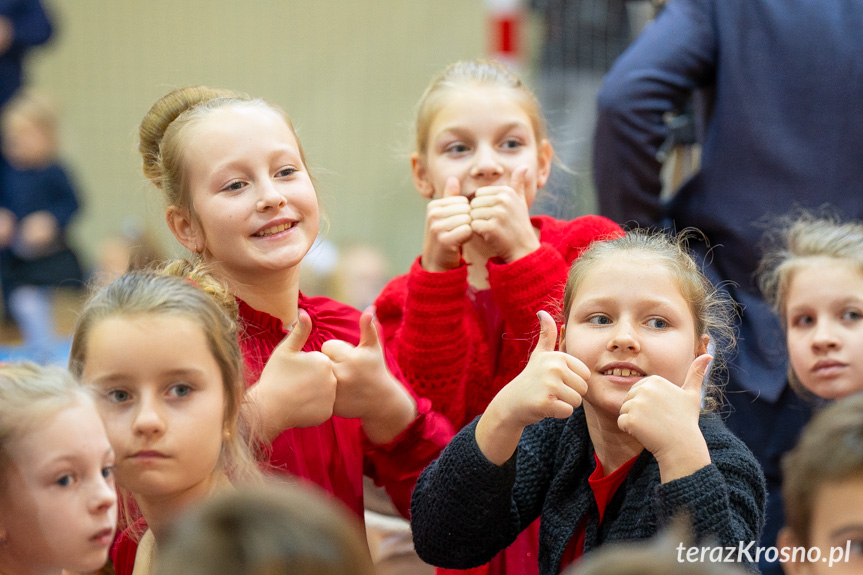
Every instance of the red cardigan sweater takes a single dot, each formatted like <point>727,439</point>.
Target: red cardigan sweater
<point>459,353</point>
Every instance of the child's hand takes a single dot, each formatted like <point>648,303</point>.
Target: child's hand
<point>499,214</point>
<point>551,385</point>
<point>7,227</point>
<point>366,389</point>
<point>38,230</point>
<point>296,388</point>
<point>664,419</point>
<point>447,229</point>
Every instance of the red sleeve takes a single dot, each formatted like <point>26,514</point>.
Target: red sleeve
<point>424,316</point>
<point>536,281</point>
<point>397,465</point>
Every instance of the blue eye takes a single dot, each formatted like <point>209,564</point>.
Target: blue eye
<point>181,390</point>
<point>118,395</point>
<point>802,320</point>
<point>457,148</point>
<point>851,315</point>
<point>64,481</point>
<point>657,323</point>
<point>234,186</point>
<point>285,172</point>
<point>107,472</point>
<point>599,320</point>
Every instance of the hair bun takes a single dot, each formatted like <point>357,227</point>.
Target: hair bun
<point>159,117</point>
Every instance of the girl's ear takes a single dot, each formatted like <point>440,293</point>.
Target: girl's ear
<point>786,539</point>
<point>184,229</point>
<point>546,154</point>
<point>703,341</point>
<point>561,339</point>
<point>420,174</point>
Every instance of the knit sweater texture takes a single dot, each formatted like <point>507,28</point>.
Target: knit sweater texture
<point>442,342</point>
<point>465,509</point>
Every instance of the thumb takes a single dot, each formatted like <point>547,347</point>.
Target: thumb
<point>368,329</point>
<point>298,336</point>
<point>695,375</point>
<point>547,332</point>
<point>452,187</point>
<point>518,180</point>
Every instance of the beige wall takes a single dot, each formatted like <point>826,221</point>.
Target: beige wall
<point>348,72</point>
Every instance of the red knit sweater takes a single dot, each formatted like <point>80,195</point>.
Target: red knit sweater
<point>458,348</point>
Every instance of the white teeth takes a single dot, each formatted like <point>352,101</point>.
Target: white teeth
<point>273,230</point>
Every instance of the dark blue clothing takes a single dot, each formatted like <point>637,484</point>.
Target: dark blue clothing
<point>31,28</point>
<point>24,192</point>
<point>786,131</point>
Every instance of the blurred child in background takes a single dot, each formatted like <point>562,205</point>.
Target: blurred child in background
<point>822,492</point>
<point>272,529</point>
<point>37,202</point>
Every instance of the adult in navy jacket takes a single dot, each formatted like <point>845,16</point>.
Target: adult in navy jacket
<point>785,130</point>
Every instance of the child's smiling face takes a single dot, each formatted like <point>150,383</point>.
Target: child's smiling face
<point>254,206</point>
<point>629,319</point>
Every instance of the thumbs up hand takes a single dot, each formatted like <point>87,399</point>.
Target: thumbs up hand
<point>447,229</point>
<point>664,419</point>
<point>365,388</point>
<point>551,385</point>
<point>499,215</point>
<point>296,388</point>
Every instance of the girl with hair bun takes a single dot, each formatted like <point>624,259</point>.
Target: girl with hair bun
<point>239,196</point>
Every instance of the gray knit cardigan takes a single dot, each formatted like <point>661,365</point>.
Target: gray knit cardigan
<point>465,509</point>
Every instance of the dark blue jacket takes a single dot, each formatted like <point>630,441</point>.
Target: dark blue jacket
<point>786,130</point>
